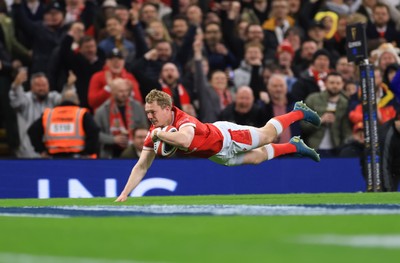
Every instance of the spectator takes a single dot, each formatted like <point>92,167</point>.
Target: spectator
<point>337,43</point>
<point>332,106</point>
<point>219,83</point>
<point>276,26</point>
<point>43,36</point>
<point>116,117</point>
<point>8,117</point>
<point>107,10</point>
<point>312,80</point>
<point>394,10</point>
<point>34,9</point>
<point>57,71</point>
<point>208,94</point>
<point>329,20</point>
<point>148,13</point>
<point>303,58</point>
<point>389,75</point>
<point>382,30</point>
<point>285,56</point>
<point>354,147</point>
<point>385,55</point>
<point>194,15</point>
<point>65,131</point>
<point>30,105</point>
<point>366,9</point>
<point>84,62</point>
<point>343,7</point>
<point>151,63</point>
<point>243,110</point>
<point>256,11</point>
<point>279,103</point>
<point>180,27</point>
<point>134,150</point>
<point>116,39</point>
<point>9,40</point>
<point>123,13</point>
<point>345,69</point>
<point>294,36</point>
<point>169,79</point>
<point>386,103</point>
<point>156,32</point>
<point>212,17</point>
<point>219,56</point>
<point>390,154</point>
<point>80,10</point>
<point>316,32</point>
<point>99,87</point>
<point>350,89</point>
<point>253,59</point>
<point>163,9</point>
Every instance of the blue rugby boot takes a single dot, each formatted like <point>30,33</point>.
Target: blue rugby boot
<point>303,150</point>
<point>309,115</point>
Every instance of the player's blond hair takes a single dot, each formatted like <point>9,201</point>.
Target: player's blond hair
<point>162,98</point>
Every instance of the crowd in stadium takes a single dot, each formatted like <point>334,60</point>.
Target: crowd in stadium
<point>246,61</point>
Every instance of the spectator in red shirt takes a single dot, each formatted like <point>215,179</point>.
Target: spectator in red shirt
<point>99,87</point>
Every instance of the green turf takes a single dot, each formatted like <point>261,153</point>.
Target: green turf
<point>202,238</point>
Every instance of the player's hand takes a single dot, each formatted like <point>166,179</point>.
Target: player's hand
<point>121,198</point>
<point>153,134</point>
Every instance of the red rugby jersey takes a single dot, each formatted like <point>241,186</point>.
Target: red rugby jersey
<point>207,140</point>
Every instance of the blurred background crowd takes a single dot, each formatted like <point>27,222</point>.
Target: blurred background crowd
<point>74,73</point>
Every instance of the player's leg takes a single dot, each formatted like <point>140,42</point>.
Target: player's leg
<point>273,150</point>
<point>276,125</point>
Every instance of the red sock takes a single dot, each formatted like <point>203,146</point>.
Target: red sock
<point>283,148</point>
<point>286,119</point>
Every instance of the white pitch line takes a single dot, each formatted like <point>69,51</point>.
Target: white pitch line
<point>238,209</point>
<point>218,210</point>
<point>29,258</point>
<point>367,241</point>
<point>33,215</point>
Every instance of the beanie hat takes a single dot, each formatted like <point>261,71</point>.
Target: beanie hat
<point>321,52</point>
<point>285,46</point>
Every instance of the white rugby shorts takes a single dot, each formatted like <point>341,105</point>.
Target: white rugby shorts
<point>238,139</point>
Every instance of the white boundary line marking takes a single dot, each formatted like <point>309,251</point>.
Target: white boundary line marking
<point>30,258</point>
<point>367,241</point>
<point>219,210</point>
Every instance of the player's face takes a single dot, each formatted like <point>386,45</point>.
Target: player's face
<point>158,116</point>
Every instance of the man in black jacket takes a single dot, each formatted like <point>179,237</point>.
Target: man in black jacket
<point>45,36</point>
<point>390,153</point>
<point>84,63</point>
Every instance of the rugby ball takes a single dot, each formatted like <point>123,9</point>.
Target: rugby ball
<point>164,149</point>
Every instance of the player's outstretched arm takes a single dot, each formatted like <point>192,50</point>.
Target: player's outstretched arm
<point>137,173</point>
<point>182,138</point>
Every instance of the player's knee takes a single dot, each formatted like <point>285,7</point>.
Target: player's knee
<point>258,159</point>
<point>257,156</point>
<point>266,137</point>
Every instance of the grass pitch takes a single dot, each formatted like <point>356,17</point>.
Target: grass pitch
<point>297,239</point>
